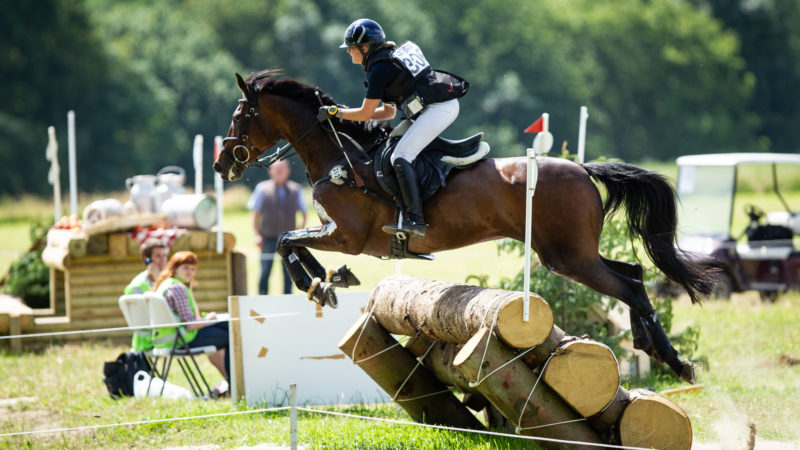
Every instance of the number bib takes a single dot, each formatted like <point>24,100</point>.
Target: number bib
<point>411,58</point>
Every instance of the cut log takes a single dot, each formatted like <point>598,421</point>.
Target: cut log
<point>605,422</point>
<point>652,421</point>
<point>509,390</point>
<point>585,374</point>
<point>73,240</point>
<point>439,359</point>
<point>56,257</point>
<point>451,312</point>
<point>390,369</point>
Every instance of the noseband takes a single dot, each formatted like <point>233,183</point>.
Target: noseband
<point>246,146</point>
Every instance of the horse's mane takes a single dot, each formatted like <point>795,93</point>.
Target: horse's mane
<point>268,81</point>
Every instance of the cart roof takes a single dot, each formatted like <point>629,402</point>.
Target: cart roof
<point>734,159</point>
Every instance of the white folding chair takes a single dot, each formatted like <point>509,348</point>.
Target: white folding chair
<point>161,317</point>
<point>137,314</point>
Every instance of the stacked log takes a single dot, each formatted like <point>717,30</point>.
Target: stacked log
<point>543,382</point>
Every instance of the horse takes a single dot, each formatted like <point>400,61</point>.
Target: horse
<point>483,202</point>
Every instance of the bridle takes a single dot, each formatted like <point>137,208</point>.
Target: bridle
<point>246,146</point>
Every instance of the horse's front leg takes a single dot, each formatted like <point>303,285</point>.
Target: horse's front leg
<point>319,285</point>
<point>342,277</point>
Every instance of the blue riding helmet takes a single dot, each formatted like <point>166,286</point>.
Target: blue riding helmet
<point>363,31</point>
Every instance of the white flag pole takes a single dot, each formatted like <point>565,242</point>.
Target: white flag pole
<point>541,145</point>
<point>54,175</point>
<point>198,164</point>
<point>219,191</point>
<point>582,134</point>
<point>73,171</point>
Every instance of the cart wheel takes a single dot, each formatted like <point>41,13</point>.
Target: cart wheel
<point>769,296</point>
<point>723,288</point>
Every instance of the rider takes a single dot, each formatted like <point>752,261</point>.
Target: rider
<point>401,77</point>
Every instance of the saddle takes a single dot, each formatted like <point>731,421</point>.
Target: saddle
<point>432,165</point>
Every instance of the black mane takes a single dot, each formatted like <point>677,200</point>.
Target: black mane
<point>268,81</point>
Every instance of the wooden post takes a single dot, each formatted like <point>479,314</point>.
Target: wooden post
<point>425,398</point>
<point>509,390</point>
<point>451,312</point>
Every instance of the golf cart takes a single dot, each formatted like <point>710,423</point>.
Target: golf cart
<point>762,257</point>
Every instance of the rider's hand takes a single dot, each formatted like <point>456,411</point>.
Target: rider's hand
<point>327,112</point>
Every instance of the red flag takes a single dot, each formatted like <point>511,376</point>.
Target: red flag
<point>536,127</point>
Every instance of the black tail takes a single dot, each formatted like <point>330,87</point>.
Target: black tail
<point>652,215</point>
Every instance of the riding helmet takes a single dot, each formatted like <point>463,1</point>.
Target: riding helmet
<point>363,31</point>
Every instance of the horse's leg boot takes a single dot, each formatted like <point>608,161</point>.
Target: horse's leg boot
<point>413,220</point>
<point>344,278</point>
<point>641,341</point>
<point>663,350</point>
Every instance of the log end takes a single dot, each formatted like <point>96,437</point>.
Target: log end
<point>518,334</point>
<point>653,421</point>
<point>471,347</point>
<point>348,340</point>
<point>573,365</point>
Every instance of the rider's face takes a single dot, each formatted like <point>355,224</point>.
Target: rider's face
<point>356,56</point>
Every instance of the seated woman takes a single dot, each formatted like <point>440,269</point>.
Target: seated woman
<point>174,284</point>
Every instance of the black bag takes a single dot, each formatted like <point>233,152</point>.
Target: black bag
<point>118,374</point>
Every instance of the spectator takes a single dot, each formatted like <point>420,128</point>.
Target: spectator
<point>154,256</point>
<point>174,284</point>
<point>274,205</point>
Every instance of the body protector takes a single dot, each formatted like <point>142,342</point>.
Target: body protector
<point>417,85</point>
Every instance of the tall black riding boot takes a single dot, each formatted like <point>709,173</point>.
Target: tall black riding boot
<point>413,221</point>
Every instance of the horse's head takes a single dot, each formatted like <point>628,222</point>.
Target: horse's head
<point>239,146</point>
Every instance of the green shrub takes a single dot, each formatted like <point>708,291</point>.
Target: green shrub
<point>28,277</point>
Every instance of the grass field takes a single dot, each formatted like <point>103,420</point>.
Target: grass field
<point>743,340</point>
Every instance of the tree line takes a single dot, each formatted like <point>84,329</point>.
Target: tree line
<point>661,78</point>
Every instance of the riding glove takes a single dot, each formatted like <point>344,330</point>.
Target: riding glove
<point>328,112</point>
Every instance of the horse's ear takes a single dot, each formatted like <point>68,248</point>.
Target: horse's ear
<point>242,84</point>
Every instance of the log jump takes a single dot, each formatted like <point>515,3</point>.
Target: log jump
<point>527,377</point>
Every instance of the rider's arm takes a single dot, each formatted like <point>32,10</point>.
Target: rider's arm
<point>369,110</point>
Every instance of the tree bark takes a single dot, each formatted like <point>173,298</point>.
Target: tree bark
<point>508,390</point>
<point>451,312</point>
<point>390,370</point>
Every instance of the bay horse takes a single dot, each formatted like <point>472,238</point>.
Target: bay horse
<point>484,202</point>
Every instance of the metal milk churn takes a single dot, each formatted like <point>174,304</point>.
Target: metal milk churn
<point>142,189</point>
<point>170,183</point>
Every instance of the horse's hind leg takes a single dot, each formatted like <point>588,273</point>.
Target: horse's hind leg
<point>614,278</point>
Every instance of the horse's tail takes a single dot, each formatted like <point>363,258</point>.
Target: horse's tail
<point>650,203</point>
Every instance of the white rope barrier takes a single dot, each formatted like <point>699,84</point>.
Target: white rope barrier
<point>468,430</point>
<point>142,327</point>
<point>143,422</point>
<point>314,411</point>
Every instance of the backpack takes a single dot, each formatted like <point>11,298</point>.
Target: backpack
<point>118,374</point>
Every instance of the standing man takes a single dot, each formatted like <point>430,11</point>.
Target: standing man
<point>154,257</point>
<point>274,205</point>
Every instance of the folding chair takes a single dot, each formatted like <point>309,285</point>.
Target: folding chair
<point>137,314</point>
<point>161,317</point>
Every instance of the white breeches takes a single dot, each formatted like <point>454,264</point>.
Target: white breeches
<point>429,125</point>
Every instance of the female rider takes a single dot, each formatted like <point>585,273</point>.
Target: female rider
<point>400,77</point>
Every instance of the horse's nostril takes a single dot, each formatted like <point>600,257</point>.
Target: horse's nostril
<point>217,167</point>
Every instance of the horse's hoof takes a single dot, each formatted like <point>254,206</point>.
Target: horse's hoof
<point>687,372</point>
<point>344,278</point>
<point>327,295</point>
